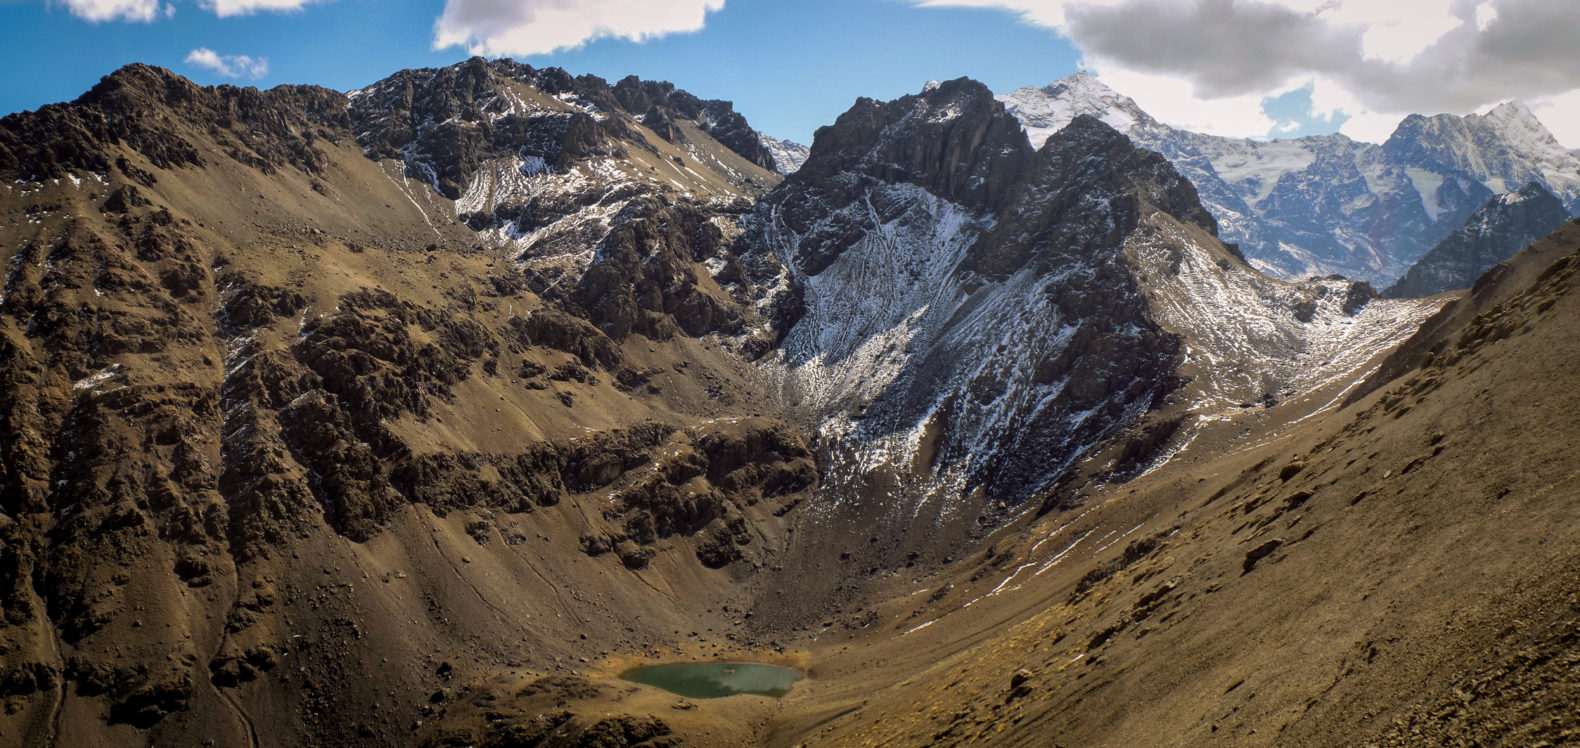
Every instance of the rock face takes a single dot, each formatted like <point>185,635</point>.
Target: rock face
<point>1320,205</point>
<point>1504,226</point>
<point>584,184</point>
<point>891,240</point>
<point>788,156</point>
<point>969,319</point>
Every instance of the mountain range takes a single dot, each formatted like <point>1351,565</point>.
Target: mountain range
<point>1501,228</point>
<point>1322,205</point>
<point>418,414</point>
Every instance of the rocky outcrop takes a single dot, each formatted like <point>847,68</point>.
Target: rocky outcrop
<point>645,278</point>
<point>952,140</point>
<point>704,485</point>
<point>267,130</point>
<point>659,103</point>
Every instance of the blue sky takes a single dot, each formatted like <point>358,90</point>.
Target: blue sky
<point>1251,68</point>
<point>789,66</point>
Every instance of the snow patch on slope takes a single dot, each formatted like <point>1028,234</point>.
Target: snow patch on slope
<point>1250,336</point>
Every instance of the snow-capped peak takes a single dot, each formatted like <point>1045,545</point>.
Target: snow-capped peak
<point>1520,127</point>
<point>1513,111</point>
<point>1504,148</point>
<point>1046,110</point>
<point>788,155</point>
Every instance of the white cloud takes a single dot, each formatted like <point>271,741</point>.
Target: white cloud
<point>1172,100</point>
<point>1330,99</point>
<point>150,10</point>
<point>116,10</point>
<point>528,27</point>
<point>1373,60</point>
<point>228,66</point>
<point>1486,13</point>
<point>1036,12</point>
<point>1561,114</point>
<point>228,8</point>
<point>1392,31</point>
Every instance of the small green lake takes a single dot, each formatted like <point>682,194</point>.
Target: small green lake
<point>712,680</point>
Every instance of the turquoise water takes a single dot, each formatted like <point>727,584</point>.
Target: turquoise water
<point>711,680</point>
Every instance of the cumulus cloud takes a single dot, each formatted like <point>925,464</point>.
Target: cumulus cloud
<point>1373,60</point>
<point>117,10</point>
<point>528,27</point>
<point>228,66</point>
<point>228,8</point>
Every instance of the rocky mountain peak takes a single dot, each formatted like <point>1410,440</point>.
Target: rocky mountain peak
<point>446,123</point>
<point>1143,173</point>
<point>159,115</point>
<point>1084,194</point>
<point>1504,149</point>
<point>659,102</point>
<point>1532,191</point>
<point>954,140</point>
<point>1502,227</point>
<point>1084,87</point>
<point>139,81</point>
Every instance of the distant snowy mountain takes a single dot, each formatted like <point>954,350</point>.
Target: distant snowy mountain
<point>1322,205</point>
<point>1045,111</point>
<point>1503,227</point>
<point>1506,148</point>
<point>788,155</point>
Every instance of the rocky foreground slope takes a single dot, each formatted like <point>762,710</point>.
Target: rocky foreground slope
<point>1401,571</point>
<point>412,415</point>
